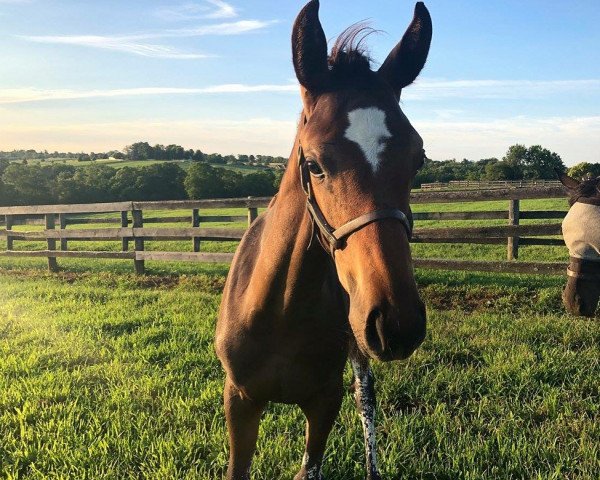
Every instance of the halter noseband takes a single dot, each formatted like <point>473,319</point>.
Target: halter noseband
<point>584,269</point>
<point>336,237</point>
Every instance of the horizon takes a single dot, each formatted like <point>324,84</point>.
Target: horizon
<point>498,74</point>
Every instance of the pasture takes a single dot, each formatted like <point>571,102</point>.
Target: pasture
<point>114,163</point>
<point>107,375</point>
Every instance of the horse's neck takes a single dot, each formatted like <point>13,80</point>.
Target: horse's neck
<point>292,265</point>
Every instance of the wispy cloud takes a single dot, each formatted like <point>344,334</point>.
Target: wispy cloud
<point>29,95</point>
<point>120,44</point>
<point>210,9</point>
<point>496,89</point>
<point>137,44</point>
<point>424,91</point>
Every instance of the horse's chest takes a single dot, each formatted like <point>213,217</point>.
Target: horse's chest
<point>289,368</point>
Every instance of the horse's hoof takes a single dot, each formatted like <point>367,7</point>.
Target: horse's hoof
<point>374,476</point>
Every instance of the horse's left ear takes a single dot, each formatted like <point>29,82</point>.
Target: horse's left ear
<point>408,58</point>
<point>567,181</point>
<point>309,51</point>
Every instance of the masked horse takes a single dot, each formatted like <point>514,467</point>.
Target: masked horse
<point>326,272</point>
<point>581,231</point>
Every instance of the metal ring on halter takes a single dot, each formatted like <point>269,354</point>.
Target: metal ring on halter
<point>336,237</point>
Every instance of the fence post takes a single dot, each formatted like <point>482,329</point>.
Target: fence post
<point>8,220</point>
<point>195,224</point>
<point>124,224</point>
<point>513,219</point>
<point>252,213</point>
<point>138,222</point>
<point>62,220</point>
<point>50,225</point>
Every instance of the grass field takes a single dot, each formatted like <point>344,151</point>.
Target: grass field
<point>104,375</point>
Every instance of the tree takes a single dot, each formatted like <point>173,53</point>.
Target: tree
<point>203,181</point>
<point>500,171</point>
<point>198,156</point>
<point>541,163</point>
<point>30,184</point>
<point>139,151</point>
<point>515,158</point>
<point>162,181</point>
<point>583,169</point>
<point>259,184</point>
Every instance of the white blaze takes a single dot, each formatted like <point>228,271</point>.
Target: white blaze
<point>369,130</point>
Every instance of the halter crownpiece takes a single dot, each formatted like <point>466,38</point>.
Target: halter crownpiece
<point>336,237</point>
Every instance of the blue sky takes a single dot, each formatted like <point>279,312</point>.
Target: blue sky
<point>217,75</point>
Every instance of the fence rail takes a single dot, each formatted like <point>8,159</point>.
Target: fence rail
<point>480,184</point>
<point>133,227</point>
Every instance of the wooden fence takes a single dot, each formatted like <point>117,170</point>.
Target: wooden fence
<point>133,223</point>
<point>481,184</point>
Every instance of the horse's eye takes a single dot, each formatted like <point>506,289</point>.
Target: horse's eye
<point>314,169</point>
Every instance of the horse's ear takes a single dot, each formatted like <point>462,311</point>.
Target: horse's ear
<point>567,181</point>
<point>407,59</point>
<point>309,50</point>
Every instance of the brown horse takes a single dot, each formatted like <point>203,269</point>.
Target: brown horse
<point>327,272</point>
<point>581,231</point>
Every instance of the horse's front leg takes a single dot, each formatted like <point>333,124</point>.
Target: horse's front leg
<point>364,394</point>
<point>243,417</point>
<point>321,413</point>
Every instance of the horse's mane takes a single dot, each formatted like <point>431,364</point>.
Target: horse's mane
<point>349,62</point>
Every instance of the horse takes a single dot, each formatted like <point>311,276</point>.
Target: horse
<point>325,273</point>
<point>581,232</point>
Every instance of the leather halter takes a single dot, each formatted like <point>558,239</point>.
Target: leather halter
<point>336,237</point>
<point>584,269</point>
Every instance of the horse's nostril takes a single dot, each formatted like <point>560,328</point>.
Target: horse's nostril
<point>376,337</point>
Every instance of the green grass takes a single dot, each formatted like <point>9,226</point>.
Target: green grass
<point>104,375</point>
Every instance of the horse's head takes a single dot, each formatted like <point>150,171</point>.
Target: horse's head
<point>581,231</point>
<point>360,155</point>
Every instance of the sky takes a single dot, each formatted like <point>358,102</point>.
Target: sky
<point>217,75</point>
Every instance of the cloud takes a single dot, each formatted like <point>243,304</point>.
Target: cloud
<point>258,135</point>
<point>434,89</point>
<point>29,95</point>
<point>427,90</point>
<point>576,139</point>
<point>212,9</point>
<point>135,44</point>
<point>120,44</point>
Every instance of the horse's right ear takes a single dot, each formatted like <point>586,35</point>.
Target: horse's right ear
<point>309,51</point>
<point>567,181</point>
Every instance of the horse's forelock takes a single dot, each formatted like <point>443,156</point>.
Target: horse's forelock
<point>349,61</point>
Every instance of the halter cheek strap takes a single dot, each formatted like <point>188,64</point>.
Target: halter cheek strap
<point>336,237</point>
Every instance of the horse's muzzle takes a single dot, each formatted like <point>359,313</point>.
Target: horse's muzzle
<point>393,335</point>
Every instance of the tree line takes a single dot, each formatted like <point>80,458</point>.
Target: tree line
<point>519,163</point>
<point>63,184</point>
<point>52,182</point>
<point>145,151</point>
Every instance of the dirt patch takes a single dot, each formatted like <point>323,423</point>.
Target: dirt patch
<point>478,299</point>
